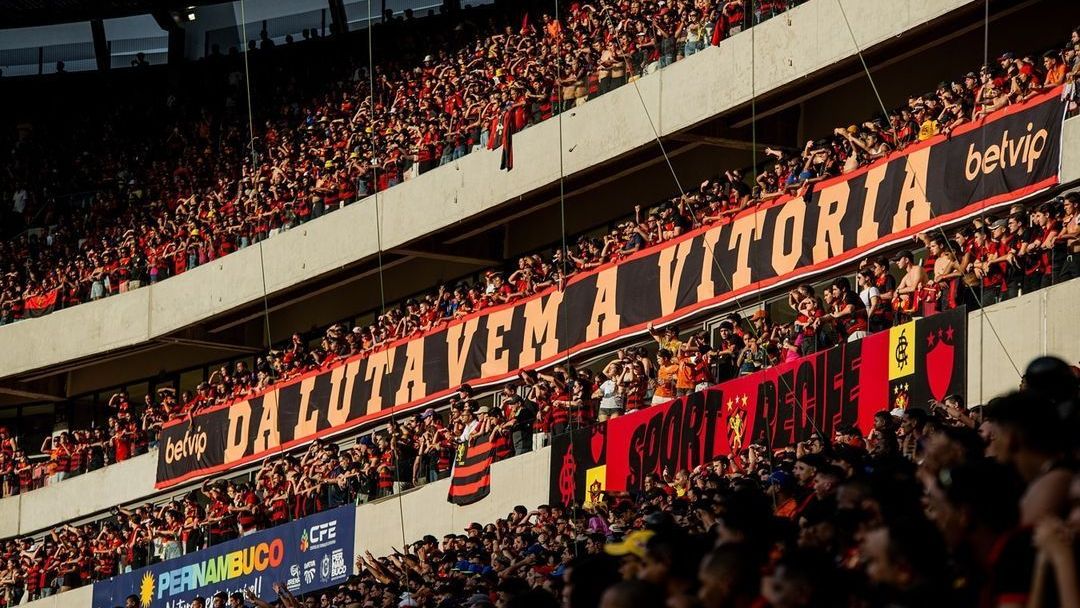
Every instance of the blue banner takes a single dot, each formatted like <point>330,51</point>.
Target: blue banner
<point>305,555</point>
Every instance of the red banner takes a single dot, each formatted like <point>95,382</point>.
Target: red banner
<point>37,306</point>
<point>784,405</point>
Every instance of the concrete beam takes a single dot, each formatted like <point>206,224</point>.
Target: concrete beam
<point>25,394</point>
<point>726,142</point>
<point>236,348</point>
<point>447,257</point>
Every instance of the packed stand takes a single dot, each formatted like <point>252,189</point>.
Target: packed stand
<point>421,448</point>
<point>992,259</point>
<point>158,210</point>
<point>944,505</point>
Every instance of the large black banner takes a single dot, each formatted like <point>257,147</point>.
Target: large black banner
<point>577,466</point>
<point>983,164</point>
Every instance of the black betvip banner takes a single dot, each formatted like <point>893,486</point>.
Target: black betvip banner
<point>929,184</point>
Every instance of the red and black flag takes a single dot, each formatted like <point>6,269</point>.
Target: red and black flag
<point>470,480</point>
<point>507,141</point>
<point>37,306</point>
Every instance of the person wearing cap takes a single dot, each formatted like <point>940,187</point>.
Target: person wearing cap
<point>667,338</point>
<point>478,600</point>
<point>782,488</point>
<point>1007,236</point>
<point>632,549</point>
<point>1047,224</point>
<point>990,263</point>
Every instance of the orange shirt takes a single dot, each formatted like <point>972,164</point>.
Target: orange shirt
<point>665,380</point>
<point>684,379</point>
<point>1055,75</point>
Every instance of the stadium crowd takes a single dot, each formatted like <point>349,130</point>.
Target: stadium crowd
<point>836,521</point>
<point>947,505</point>
<point>420,448</point>
<point>993,259</point>
<point>163,209</point>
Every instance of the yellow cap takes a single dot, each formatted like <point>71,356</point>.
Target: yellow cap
<point>632,544</point>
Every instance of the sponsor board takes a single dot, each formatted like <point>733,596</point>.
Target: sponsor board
<point>304,555</point>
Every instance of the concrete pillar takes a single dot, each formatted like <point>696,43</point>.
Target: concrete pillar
<point>101,45</point>
<point>339,22</point>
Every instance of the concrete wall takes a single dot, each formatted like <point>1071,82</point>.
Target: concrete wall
<point>519,481</point>
<point>1070,151</point>
<point>83,597</point>
<point>1013,333</point>
<point>119,484</point>
<point>781,51</point>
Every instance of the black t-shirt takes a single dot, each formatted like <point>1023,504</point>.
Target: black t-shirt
<point>525,415</point>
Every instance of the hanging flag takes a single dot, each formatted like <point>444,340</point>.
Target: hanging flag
<point>470,480</point>
<point>507,141</point>
<point>37,306</point>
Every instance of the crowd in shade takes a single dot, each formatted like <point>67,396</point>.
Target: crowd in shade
<point>943,505</point>
<point>175,197</point>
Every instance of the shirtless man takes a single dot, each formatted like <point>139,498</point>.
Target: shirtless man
<point>947,272</point>
<point>914,278</point>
